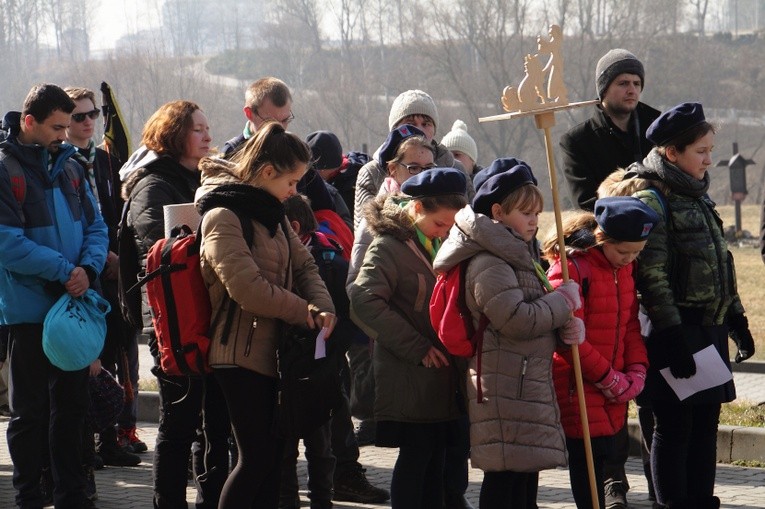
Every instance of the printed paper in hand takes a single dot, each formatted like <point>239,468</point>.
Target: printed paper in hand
<point>711,371</point>
<point>321,346</point>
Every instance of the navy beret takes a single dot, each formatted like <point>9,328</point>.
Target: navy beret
<point>675,122</point>
<point>326,150</point>
<point>496,188</point>
<point>394,139</point>
<point>625,218</point>
<point>435,182</point>
<point>496,167</point>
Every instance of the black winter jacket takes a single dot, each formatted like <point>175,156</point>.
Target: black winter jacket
<point>592,150</point>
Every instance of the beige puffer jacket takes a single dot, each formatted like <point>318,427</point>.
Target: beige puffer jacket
<point>255,278</point>
<point>517,426</point>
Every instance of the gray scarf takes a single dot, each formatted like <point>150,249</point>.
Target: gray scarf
<point>656,167</point>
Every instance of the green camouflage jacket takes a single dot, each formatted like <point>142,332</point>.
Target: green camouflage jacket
<point>686,264</point>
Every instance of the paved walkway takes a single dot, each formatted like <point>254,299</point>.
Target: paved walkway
<point>131,487</point>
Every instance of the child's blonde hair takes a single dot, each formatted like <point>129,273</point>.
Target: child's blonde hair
<point>574,221</point>
<point>525,198</point>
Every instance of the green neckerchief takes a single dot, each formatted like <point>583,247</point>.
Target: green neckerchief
<point>248,132</point>
<point>431,246</point>
<point>543,277</point>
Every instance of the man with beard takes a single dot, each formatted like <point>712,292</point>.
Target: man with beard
<point>614,137</point>
<point>52,241</point>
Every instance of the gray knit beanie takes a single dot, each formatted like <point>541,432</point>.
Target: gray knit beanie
<point>412,102</point>
<point>459,139</point>
<point>612,64</point>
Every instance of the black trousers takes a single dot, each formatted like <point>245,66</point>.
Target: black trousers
<point>48,406</point>
<point>187,405</point>
<point>602,449</point>
<point>251,400</point>
<point>684,452</point>
<point>509,490</point>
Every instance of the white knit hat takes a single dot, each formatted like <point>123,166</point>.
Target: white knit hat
<point>412,102</point>
<point>459,139</point>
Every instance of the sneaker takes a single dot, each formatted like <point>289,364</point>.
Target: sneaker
<point>128,439</point>
<point>353,486</point>
<point>90,484</point>
<point>118,457</point>
<point>46,487</point>
<point>616,496</point>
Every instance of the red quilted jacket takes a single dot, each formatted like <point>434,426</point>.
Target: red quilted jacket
<point>610,314</point>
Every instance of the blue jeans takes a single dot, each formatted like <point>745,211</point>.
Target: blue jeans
<point>48,407</point>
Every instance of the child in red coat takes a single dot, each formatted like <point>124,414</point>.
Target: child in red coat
<point>602,248</point>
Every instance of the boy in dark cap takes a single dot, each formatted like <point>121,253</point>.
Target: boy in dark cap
<point>614,137</point>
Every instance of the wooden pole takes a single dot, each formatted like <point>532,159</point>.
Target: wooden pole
<point>546,121</point>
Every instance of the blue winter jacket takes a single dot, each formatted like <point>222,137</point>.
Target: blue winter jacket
<point>61,229</point>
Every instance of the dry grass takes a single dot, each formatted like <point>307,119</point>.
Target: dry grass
<point>749,268</point>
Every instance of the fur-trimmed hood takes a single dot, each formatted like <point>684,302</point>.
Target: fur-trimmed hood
<point>636,177</point>
<point>216,172</point>
<point>387,215</point>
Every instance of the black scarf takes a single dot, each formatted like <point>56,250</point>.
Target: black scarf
<point>655,167</point>
<point>246,201</point>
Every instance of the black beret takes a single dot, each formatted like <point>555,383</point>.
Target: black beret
<point>326,150</point>
<point>435,182</point>
<point>625,218</point>
<point>496,167</point>
<point>394,139</point>
<point>675,122</point>
<point>496,188</point>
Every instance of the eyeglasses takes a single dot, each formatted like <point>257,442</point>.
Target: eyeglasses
<point>80,117</point>
<point>285,121</point>
<point>414,169</point>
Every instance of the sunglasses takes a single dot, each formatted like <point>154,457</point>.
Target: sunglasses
<point>80,117</point>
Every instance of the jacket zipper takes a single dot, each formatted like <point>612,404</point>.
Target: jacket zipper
<point>248,347</point>
<point>524,363</point>
<point>618,311</point>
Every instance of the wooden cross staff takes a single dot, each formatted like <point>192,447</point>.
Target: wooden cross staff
<point>531,98</point>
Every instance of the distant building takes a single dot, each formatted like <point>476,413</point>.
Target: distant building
<point>744,16</point>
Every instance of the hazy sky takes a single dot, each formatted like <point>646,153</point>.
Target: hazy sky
<point>115,18</point>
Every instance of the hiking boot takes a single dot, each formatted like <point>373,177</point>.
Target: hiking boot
<point>90,484</point>
<point>46,487</point>
<point>616,496</point>
<point>128,440</point>
<point>353,486</point>
<point>118,457</point>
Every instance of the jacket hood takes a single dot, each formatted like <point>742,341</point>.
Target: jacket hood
<point>627,182</point>
<point>166,166</point>
<point>141,158</point>
<point>216,171</point>
<point>386,216</point>
<point>473,233</point>
<point>27,155</point>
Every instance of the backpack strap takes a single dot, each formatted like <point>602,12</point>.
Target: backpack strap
<point>584,275</point>
<point>17,179</point>
<point>477,338</point>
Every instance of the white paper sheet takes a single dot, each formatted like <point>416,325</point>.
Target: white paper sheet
<point>321,347</point>
<point>711,371</point>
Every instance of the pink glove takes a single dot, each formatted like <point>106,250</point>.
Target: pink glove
<point>570,292</point>
<point>572,332</point>
<point>635,373</point>
<point>613,384</point>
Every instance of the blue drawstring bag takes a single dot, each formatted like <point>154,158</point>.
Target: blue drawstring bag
<point>74,330</point>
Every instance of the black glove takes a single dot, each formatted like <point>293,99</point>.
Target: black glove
<point>739,333</point>
<point>681,363</point>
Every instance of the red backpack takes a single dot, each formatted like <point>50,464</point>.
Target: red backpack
<point>452,320</point>
<point>180,304</point>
